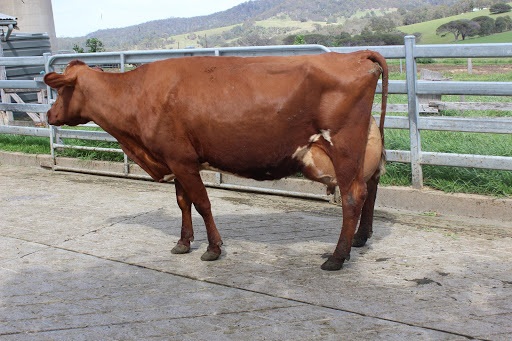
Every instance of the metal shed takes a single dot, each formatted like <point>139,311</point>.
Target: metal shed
<point>20,45</point>
<point>9,22</point>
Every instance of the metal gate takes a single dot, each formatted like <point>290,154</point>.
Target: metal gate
<point>212,179</point>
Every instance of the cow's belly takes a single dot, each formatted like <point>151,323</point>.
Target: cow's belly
<point>277,170</point>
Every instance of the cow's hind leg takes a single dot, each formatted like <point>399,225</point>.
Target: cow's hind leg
<point>365,230</point>
<point>190,180</point>
<point>187,231</point>
<point>352,198</point>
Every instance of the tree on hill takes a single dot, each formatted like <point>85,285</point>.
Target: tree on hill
<point>487,25</point>
<point>366,38</point>
<point>78,49</point>
<point>459,28</point>
<point>500,8</point>
<point>382,24</point>
<point>503,23</point>
<point>94,45</point>
<point>299,40</point>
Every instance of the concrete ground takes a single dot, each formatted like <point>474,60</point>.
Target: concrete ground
<point>85,257</point>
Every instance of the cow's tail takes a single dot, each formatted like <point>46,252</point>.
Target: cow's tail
<point>381,61</point>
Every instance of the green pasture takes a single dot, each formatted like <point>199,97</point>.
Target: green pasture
<point>503,37</point>
<point>453,179</point>
<point>456,179</point>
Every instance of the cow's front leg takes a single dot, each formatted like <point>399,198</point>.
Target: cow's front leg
<point>187,231</point>
<point>190,180</point>
<point>352,202</point>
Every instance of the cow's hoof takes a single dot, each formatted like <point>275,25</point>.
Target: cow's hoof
<point>332,264</point>
<point>209,256</point>
<point>180,249</point>
<point>359,242</point>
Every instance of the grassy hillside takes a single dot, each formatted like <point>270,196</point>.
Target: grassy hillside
<point>282,23</point>
<point>288,25</point>
<point>429,36</point>
<point>504,37</point>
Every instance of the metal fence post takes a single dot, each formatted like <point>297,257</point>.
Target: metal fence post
<point>50,95</point>
<point>122,68</point>
<point>413,110</point>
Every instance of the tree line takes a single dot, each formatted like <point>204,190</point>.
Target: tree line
<point>479,26</point>
<point>382,30</point>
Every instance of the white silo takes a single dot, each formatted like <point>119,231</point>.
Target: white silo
<point>34,16</point>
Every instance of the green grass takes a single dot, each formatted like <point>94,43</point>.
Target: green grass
<point>41,145</point>
<point>24,144</point>
<point>453,179</point>
<point>456,179</point>
<point>91,155</point>
<point>503,37</point>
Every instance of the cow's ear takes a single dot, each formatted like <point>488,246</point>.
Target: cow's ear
<point>56,81</point>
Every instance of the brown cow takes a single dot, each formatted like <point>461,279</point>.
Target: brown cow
<point>258,117</point>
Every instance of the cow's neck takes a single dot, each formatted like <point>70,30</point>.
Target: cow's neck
<point>108,102</point>
<point>113,106</point>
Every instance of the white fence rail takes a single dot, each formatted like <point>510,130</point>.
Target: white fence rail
<point>411,86</point>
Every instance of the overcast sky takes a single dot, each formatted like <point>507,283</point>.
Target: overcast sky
<point>77,18</point>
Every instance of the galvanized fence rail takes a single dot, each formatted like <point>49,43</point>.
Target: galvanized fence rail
<point>411,86</point>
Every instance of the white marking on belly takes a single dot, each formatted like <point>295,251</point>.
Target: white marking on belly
<point>304,155</point>
<point>307,160</point>
<point>326,134</point>
<point>299,153</point>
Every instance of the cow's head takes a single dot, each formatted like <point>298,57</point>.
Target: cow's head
<point>68,108</point>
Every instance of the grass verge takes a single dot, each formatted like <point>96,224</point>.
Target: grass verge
<point>453,179</point>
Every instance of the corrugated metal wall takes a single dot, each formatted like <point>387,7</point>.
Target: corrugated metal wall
<point>25,45</point>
